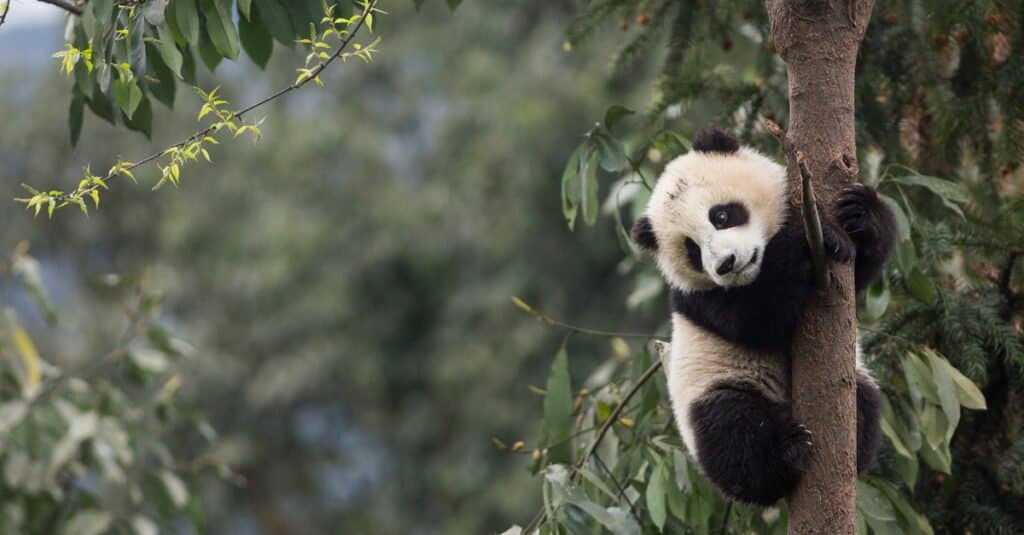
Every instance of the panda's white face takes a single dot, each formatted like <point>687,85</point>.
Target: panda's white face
<point>712,216</point>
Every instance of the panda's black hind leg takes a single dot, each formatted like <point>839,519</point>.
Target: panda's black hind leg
<point>747,445</point>
<point>869,430</point>
<point>871,226</point>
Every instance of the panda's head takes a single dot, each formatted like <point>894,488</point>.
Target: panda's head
<point>712,214</point>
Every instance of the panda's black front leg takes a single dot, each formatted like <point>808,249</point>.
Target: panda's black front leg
<point>870,224</point>
<point>747,445</point>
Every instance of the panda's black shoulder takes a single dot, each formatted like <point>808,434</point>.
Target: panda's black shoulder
<point>716,140</point>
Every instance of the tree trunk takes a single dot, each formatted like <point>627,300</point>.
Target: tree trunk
<point>818,40</point>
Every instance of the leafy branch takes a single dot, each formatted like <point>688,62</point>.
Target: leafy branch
<point>192,147</point>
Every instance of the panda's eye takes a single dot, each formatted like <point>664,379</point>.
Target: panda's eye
<point>724,216</point>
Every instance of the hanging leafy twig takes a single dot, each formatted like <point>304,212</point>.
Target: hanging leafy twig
<point>191,147</point>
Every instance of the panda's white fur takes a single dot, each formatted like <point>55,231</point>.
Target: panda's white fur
<point>728,365</point>
<point>690,185</point>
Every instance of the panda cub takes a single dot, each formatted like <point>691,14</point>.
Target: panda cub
<point>736,257</point>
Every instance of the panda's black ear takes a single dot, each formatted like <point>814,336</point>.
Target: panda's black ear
<point>643,234</point>
<point>714,139</point>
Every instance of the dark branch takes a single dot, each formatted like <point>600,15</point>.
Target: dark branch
<point>812,224</point>
<point>7,7</point>
<point>63,4</point>
<point>809,206</point>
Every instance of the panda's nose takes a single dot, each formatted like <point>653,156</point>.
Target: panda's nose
<point>726,265</point>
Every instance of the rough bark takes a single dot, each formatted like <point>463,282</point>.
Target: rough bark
<point>818,41</point>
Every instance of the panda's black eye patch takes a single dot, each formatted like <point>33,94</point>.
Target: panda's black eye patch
<point>724,216</point>
<point>693,255</point>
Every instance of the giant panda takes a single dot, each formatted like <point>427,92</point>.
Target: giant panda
<point>736,258</point>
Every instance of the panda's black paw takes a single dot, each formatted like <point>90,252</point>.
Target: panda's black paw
<point>857,211</point>
<point>838,246</point>
<point>796,446</point>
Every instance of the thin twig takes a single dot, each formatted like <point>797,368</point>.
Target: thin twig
<point>313,74</point>
<point>619,488</point>
<point>582,330</point>
<point>66,6</point>
<point>3,16</point>
<point>812,223</point>
<point>725,520</point>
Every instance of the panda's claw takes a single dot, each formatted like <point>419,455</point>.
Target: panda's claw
<point>837,244</point>
<point>796,447</point>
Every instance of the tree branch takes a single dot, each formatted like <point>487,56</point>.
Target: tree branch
<point>7,7</point>
<point>812,224</point>
<point>313,74</point>
<point>809,206</point>
<point>65,5</point>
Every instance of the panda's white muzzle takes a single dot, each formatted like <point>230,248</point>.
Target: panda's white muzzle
<point>732,257</point>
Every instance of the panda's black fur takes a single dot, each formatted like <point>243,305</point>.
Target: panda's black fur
<point>728,365</point>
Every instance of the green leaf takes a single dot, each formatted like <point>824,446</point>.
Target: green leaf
<point>101,106</point>
<point>612,153</point>
<point>175,488</point>
<point>88,522</point>
<point>615,114</point>
<point>188,66</point>
<point>208,53</point>
<point>276,18</point>
<point>142,120</point>
<point>571,192</point>
<point>933,424</point>
<point>128,95</point>
<point>656,496</point>
<point>153,11</point>
<point>137,48</point>
<point>164,87</point>
<point>558,407</point>
<point>245,8</point>
<point>873,503</point>
<point>951,193</point>
<point>169,50</point>
<point>75,114</point>
<point>902,223</point>
<point>876,299</point>
<point>910,520</point>
<point>256,40</point>
<point>945,389</point>
<point>453,4</point>
<point>588,185</point>
<point>671,142</point>
<point>921,287</point>
<point>937,458</point>
<point>220,27</point>
<point>919,377</point>
<point>186,19</point>
<point>967,392</point>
